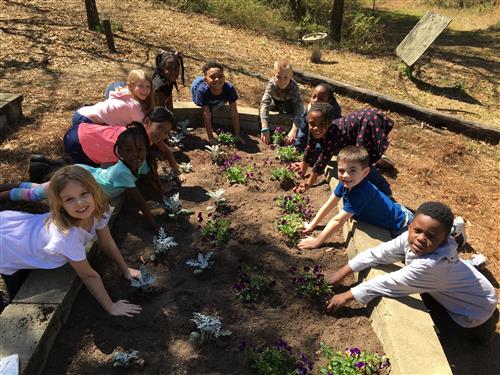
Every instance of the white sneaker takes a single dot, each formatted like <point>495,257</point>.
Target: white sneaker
<point>458,231</point>
<point>478,261</point>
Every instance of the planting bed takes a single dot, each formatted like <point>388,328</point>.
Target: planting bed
<point>161,332</point>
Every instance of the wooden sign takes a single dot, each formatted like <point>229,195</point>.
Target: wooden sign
<point>430,26</point>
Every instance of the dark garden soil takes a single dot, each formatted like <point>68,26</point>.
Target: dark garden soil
<point>161,332</point>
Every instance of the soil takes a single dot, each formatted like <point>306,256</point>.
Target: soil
<point>161,331</point>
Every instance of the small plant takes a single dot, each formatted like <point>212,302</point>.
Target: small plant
<point>230,162</point>
<point>172,204</point>
<point>295,204</point>
<point>278,136</point>
<point>183,126</point>
<point>291,225</point>
<point>215,153</point>
<point>250,287</point>
<point>277,360</point>
<point>216,229</point>
<point>201,263</point>
<point>217,196</point>
<point>282,174</point>
<point>226,139</point>
<point>352,362</point>
<point>176,138</point>
<point>288,154</point>
<point>145,281</point>
<point>236,175</point>
<point>210,328</point>
<point>185,167</point>
<point>162,243</point>
<point>311,282</point>
<point>121,358</point>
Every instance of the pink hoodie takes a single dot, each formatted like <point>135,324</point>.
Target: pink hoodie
<point>120,109</point>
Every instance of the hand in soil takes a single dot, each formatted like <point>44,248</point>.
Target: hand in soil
<point>309,243</point>
<point>297,167</point>
<point>308,227</point>
<point>124,308</point>
<point>290,138</point>
<point>265,137</point>
<point>301,188</point>
<point>338,301</point>
<point>180,178</point>
<point>132,273</point>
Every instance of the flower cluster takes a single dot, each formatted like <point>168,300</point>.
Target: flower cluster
<point>290,225</point>
<point>288,154</point>
<point>311,282</point>
<point>230,161</point>
<point>278,359</point>
<point>216,229</point>
<point>282,174</point>
<point>278,136</point>
<point>296,204</point>
<point>353,361</point>
<point>250,287</point>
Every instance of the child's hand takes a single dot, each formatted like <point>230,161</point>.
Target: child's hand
<point>265,137</point>
<point>292,134</point>
<point>309,227</point>
<point>124,308</point>
<point>297,167</point>
<point>309,243</point>
<point>301,188</point>
<point>339,300</point>
<point>131,273</point>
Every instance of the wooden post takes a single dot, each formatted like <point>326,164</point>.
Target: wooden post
<point>92,14</point>
<point>106,23</point>
<point>336,17</point>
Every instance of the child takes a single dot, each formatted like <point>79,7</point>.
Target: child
<point>134,159</point>
<point>211,92</point>
<point>93,144</point>
<point>361,200</point>
<point>322,93</point>
<point>432,266</point>
<point>282,95</point>
<point>168,66</point>
<point>78,211</point>
<point>124,105</point>
<point>368,127</point>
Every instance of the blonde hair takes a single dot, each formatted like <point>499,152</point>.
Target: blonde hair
<point>133,78</point>
<point>282,64</point>
<point>58,182</point>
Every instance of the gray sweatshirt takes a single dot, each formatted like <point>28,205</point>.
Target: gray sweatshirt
<point>292,92</point>
<point>467,295</point>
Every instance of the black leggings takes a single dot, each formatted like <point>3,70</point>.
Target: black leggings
<point>13,283</point>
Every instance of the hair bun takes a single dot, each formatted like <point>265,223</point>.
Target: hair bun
<point>161,114</point>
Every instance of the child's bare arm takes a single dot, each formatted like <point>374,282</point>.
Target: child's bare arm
<point>94,283</point>
<point>136,195</point>
<point>235,118</point>
<point>340,275</point>
<point>325,209</point>
<point>333,226</point>
<point>207,122</point>
<point>108,245</point>
<point>339,300</point>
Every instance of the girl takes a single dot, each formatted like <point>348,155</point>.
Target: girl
<point>78,211</point>
<point>132,151</point>
<point>368,127</point>
<point>168,66</point>
<point>93,144</point>
<point>322,93</point>
<point>124,105</point>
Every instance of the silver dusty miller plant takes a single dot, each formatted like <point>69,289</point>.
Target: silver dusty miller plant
<point>162,243</point>
<point>217,196</point>
<point>183,126</point>
<point>210,327</point>
<point>145,281</point>
<point>172,204</point>
<point>185,167</point>
<point>121,358</point>
<point>201,262</point>
<point>215,152</point>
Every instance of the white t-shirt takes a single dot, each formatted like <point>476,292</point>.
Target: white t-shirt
<point>27,242</point>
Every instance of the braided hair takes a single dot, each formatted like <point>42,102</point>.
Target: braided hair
<point>161,60</point>
<point>136,130</point>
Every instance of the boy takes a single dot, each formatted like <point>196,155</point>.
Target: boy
<point>282,95</point>
<point>432,266</point>
<point>361,200</point>
<point>211,92</point>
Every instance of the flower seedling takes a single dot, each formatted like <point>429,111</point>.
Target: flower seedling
<point>230,162</point>
<point>288,154</point>
<point>284,175</point>
<point>278,360</point>
<point>176,138</point>
<point>226,139</point>
<point>250,287</point>
<point>217,196</point>
<point>215,152</point>
<point>173,206</point>
<point>295,204</point>
<point>201,263</point>
<point>185,167</point>
<point>216,230</point>
<point>353,361</point>
<point>145,281</point>
<point>121,358</point>
<point>236,175</point>
<point>167,175</point>
<point>162,243</point>
<point>311,282</point>
<point>291,225</point>
<point>183,126</point>
<point>278,136</point>
<point>210,327</point>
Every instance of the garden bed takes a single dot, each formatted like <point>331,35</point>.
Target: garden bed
<point>161,332</point>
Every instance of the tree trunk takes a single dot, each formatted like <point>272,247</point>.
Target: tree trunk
<point>92,14</point>
<point>336,16</point>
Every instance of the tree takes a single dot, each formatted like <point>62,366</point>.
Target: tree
<point>336,17</point>
<point>296,9</point>
<point>92,15</point>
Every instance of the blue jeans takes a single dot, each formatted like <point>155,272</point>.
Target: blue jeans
<point>13,283</point>
<point>112,87</point>
<point>301,139</point>
<point>74,149</point>
<point>79,118</point>
<point>408,220</point>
